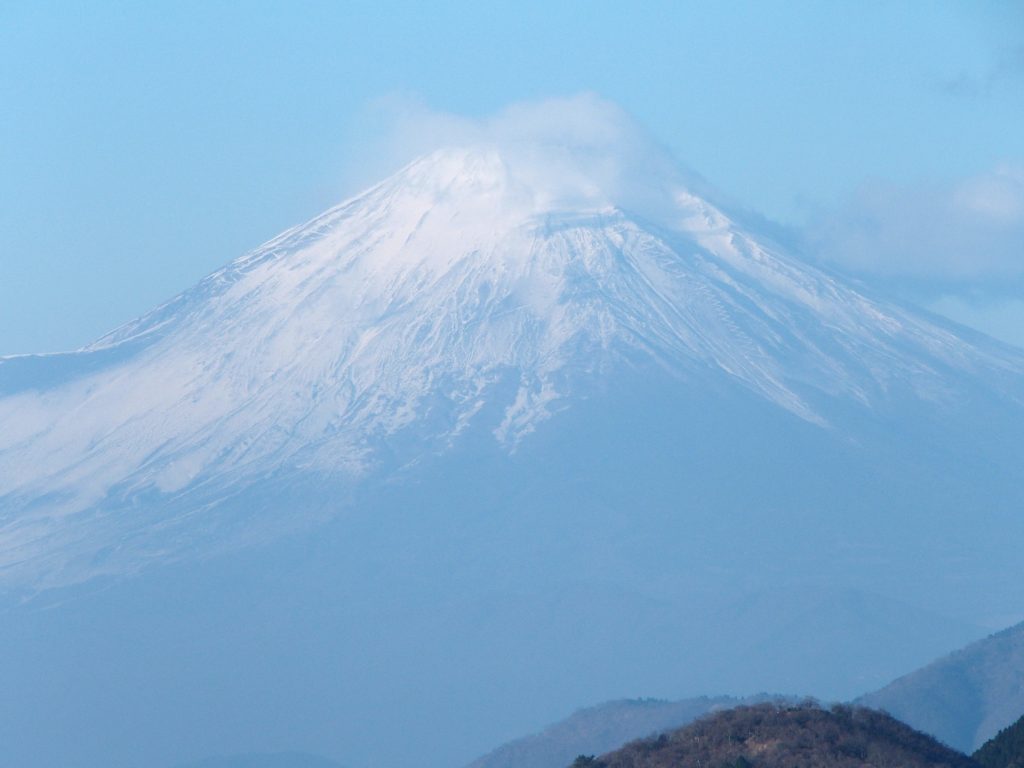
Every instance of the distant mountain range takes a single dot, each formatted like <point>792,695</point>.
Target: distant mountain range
<point>962,699</point>
<point>599,729</point>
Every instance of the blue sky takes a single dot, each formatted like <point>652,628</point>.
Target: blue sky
<point>144,145</point>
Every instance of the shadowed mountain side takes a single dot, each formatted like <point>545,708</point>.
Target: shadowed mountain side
<point>965,698</point>
<point>772,736</point>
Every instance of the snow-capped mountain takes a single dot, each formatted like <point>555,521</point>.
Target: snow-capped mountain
<point>470,291</point>
<point>521,427</point>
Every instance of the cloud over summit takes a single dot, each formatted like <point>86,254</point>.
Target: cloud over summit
<point>581,150</point>
<point>951,243</point>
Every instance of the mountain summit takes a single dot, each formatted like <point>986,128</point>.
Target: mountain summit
<point>475,289</point>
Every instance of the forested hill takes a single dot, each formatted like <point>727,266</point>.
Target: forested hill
<point>778,736</point>
<point>1005,750</point>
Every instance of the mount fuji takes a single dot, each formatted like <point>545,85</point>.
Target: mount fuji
<point>521,423</point>
<point>459,294</point>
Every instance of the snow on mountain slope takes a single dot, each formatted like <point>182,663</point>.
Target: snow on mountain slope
<point>466,283</point>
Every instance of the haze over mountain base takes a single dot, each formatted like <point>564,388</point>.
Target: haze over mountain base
<point>473,611</point>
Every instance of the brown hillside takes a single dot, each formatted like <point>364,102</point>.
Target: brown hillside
<point>777,736</point>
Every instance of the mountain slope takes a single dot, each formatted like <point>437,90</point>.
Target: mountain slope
<point>965,698</point>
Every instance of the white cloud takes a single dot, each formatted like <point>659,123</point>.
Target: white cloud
<point>578,149</point>
<point>1006,69</point>
<point>956,248</point>
<point>970,229</point>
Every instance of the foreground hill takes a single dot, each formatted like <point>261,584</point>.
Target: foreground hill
<point>966,697</point>
<point>774,736</point>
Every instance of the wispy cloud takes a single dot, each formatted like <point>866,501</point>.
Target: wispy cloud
<point>1007,68</point>
<point>955,247</point>
<point>968,229</point>
<point>580,149</point>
